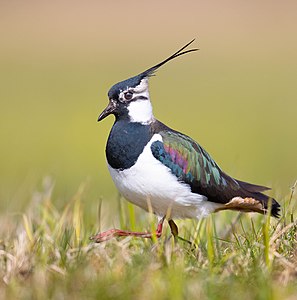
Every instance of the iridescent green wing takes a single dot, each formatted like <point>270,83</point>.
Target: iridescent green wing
<point>191,164</point>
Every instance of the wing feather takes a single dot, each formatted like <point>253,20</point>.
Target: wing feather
<point>191,164</point>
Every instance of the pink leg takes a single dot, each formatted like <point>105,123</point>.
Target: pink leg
<point>109,234</point>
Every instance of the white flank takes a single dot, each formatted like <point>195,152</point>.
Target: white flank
<point>149,184</point>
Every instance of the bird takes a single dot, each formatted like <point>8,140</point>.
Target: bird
<point>163,170</point>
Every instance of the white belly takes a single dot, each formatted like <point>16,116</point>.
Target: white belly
<point>152,186</point>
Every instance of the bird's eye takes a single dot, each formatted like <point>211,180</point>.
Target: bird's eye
<point>128,95</point>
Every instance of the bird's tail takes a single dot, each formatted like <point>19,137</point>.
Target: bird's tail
<point>251,199</point>
<point>255,191</point>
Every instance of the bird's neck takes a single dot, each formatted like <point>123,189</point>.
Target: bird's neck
<point>141,111</point>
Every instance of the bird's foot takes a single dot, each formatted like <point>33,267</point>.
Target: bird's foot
<point>109,234</point>
<point>192,244</point>
<point>174,232</point>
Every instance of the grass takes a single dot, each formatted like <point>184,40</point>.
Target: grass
<point>238,100</point>
<point>46,254</point>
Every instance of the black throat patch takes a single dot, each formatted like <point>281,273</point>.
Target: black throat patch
<point>126,142</point>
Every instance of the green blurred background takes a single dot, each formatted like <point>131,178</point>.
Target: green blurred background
<point>237,96</point>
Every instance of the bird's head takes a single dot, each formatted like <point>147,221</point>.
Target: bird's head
<point>130,98</point>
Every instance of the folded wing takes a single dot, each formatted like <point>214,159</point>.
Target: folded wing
<point>191,164</point>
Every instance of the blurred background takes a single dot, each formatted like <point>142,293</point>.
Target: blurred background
<point>237,96</point>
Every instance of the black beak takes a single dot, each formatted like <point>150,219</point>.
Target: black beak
<point>107,111</point>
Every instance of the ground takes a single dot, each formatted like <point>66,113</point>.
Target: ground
<point>46,253</point>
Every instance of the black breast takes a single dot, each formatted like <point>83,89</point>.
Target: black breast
<point>125,143</point>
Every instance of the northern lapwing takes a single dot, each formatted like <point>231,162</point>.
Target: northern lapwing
<point>164,171</point>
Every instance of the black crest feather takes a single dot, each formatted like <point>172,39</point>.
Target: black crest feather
<point>180,52</point>
<point>134,81</point>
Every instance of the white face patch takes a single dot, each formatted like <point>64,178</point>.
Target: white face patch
<point>142,87</point>
<point>141,111</point>
<point>142,90</point>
